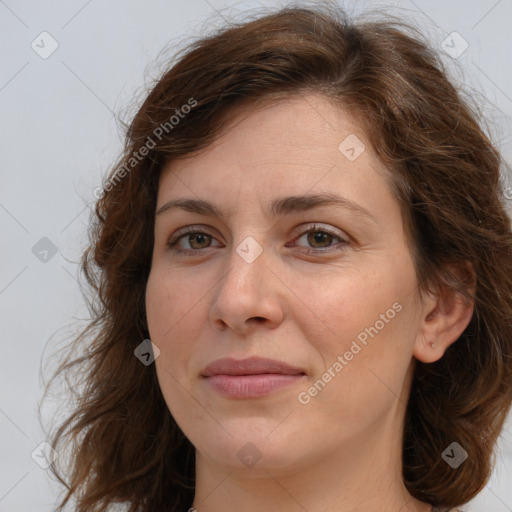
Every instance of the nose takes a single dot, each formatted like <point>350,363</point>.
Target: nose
<point>249,296</point>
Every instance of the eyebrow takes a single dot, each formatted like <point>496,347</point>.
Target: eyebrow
<point>282,206</point>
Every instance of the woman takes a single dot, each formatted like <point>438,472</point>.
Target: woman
<point>307,223</point>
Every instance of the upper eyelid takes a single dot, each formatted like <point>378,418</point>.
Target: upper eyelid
<point>189,230</point>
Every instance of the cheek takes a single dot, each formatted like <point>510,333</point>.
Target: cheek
<point>340,306</point>
<point>169,296</point>
<point>173,313</point>
<point>172,309</point>
<point>367,318</point>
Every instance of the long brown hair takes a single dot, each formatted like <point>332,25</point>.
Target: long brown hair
<point>125,445</point>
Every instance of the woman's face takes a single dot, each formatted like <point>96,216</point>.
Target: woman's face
<point>276,271</point>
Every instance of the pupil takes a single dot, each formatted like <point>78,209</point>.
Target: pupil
<point>199,238</point>
<point>320,237</point>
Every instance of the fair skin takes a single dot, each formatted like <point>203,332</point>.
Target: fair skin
<point>342,448</point>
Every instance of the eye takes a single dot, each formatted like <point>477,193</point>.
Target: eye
<point>190,240</point>
<point>196,240</point>
<point>320,238</point>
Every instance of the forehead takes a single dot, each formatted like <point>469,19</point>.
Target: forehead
<point>282,141</point>
<point>289,149</point>
<point>277,156</point>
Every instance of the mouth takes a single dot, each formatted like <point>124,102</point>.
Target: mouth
<point>250,378</point>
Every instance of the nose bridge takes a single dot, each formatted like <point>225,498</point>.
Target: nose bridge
<point>248,239</point>
<point>246,265</point>
<point>246,289</point>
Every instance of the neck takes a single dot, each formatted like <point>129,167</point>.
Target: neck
<point>364,474</point>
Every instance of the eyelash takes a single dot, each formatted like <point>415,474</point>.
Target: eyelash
<point>312,229</point>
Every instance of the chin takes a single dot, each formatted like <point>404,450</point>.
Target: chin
<point>250,447</point>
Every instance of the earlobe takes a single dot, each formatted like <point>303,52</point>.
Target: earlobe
<point>446,314</point>
<point>428,351</point>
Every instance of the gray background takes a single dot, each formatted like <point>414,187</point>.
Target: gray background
<point>59,135</point>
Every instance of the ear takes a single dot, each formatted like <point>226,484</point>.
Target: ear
<point>445,314</point>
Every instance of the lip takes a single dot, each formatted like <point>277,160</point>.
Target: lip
<point>250,378</point>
